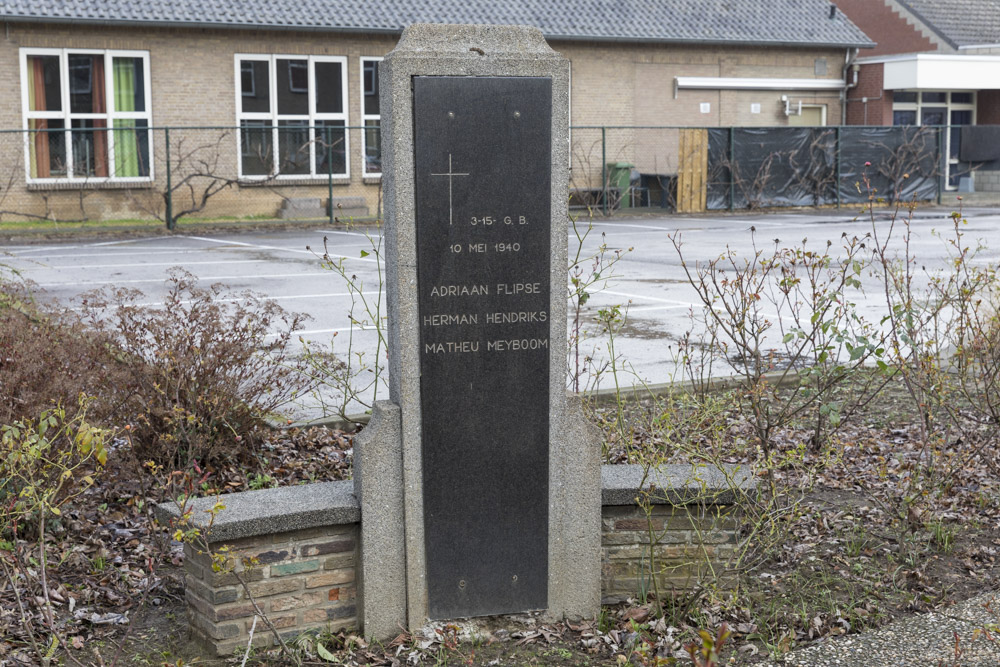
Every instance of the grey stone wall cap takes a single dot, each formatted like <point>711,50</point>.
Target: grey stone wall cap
<point>675,484</point>
<point>452,40</point>
<point>268,511</point>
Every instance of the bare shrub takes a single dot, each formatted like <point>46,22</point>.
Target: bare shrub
<point>47,358</point>
<point>204,369</point>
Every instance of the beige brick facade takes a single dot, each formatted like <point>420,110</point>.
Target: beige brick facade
<point>193,84</point>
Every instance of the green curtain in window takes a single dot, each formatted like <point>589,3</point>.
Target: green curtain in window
<point>126,146</point>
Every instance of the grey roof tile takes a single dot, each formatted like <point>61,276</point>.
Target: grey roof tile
<point>792,22</point>
<point>960,22</point>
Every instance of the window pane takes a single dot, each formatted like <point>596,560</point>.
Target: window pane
<point>373,147</point>
<point>958,117</point>
<point>86,83</point>
<point>47,148</point>
<point>43,84</point>
<point>256,94</point>
<point>904,117</point>
<point>129,84</point>
<point>293,147</point>
<point>933,116</point>
<point>329,88</point>
<point>961,117</point>
<point>331,142</point>
<point>904,96</point>
<point>961,98</point>
<point>256,153</point>
<point>934,98</point>
<point>131,148</point>
<point>90,148</point>
<point>293,87</point>
<point>370,75</point>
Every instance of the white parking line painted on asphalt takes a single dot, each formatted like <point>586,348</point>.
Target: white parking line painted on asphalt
<point>78,246</point>
<point>313,332</point>
<point>69,267</point>
<point>145,251</point>
<point>646,309</point>
<point>263,297</point>
<point>124,241</point>
<point>625,224</point>
<point>644,297</point>
<point>20,250</point>
<point>255,276</point>
<point>337,231</point>
<point>269,247</point>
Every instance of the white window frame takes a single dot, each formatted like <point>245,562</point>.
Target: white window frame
<point>366,117</point>
<point>950,106</point>
<point>65,115</point>
<point>273,117</point>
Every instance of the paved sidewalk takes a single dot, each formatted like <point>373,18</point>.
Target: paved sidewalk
<point>927,639</point>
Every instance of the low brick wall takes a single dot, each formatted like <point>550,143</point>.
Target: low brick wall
<point>307,573</point>
<point>692,546</point>
<point>302,580</point>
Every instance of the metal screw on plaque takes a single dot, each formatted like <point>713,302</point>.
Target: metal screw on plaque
<point>514,578</point>
<point>517,114</point>
<point>461,583</point>
<point>451,115</point>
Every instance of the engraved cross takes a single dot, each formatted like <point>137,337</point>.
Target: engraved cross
<point>451,177</point>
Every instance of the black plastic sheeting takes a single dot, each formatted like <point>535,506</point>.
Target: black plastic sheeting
<point>798,166</point>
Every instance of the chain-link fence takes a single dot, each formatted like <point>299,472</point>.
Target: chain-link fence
<point>130,172</point>
<point>164,175</point>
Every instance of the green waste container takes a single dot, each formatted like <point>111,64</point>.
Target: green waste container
<point>620,178</point>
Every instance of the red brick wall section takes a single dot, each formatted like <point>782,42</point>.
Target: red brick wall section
<point>988,107</point>
<point>886,27</point>
<point>693,547</point>
<point>878,109</point>
<point>303,580</point>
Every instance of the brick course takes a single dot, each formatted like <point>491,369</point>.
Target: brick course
<point>692,546</point>
<point>285,584</point>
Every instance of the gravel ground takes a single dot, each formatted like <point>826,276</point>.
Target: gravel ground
<point>928,639</point>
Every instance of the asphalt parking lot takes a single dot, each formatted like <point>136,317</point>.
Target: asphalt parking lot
<point>285,266</point>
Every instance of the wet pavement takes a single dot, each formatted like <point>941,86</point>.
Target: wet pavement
<point>649,281</point>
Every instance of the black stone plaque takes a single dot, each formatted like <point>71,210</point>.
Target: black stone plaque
<point>483,180</point>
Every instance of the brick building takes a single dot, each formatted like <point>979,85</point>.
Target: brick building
<point>937,62</point>
<point>295,85</point>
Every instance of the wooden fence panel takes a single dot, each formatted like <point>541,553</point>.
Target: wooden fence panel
<point>692,171</point>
